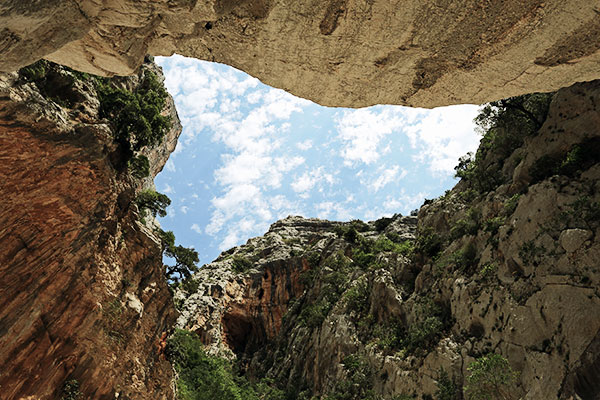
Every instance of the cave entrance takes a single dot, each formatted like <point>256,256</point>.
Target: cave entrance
<point>237,331</point>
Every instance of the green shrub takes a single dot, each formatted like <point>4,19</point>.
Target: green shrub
<point>34,72</point>
<point>358,384</point>
<point>136,115</point>
<point>488,270</point>
<point>504,124</point>
<point>529,252</point>
<point>466,226</point>
<point>492,225</point>
<point>428,243</point>
<point>447,388</point>
<point>205,377</point>
<point>70,390</point>
<point>139,166</point>
<point>424,334</point>
<point>357,297</point>
<point>241,264</point>
<point>511,204</point>
<point>383,223</point>
<point>153,201</point>
<point>185,258</point>
<point>578,158</point>
<point>491,378</point>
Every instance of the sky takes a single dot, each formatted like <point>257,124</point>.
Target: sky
<point>250,155</point>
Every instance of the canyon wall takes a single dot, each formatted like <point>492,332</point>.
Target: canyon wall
<point>338,52</point>
<point>504,263</point>
<point>83,299</point>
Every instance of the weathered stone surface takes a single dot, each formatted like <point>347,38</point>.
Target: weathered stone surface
<point>82,292</point>
<point>337,53</point>
<point>572,239</point>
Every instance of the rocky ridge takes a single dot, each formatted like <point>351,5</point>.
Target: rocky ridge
<point>83,299</point>
<point>338,52</point>
<point>383,309</point>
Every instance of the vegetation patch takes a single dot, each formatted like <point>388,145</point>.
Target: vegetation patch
<point>135,115</point>
<point>578,158</point>
<point>504,124</point>
<point>205,377</point>
<point>491,378</point>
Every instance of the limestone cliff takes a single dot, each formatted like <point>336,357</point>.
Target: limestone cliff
<point>83,299</point>
<point>504,263</point>
<point>336,52</point>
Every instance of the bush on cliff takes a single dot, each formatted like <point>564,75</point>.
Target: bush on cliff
<point>185,258</point>
<point>135,115</point>
<point>154,202</point>
<point>504,125</point>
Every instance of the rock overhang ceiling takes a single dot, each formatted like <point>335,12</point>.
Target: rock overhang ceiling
<point>350,53</point>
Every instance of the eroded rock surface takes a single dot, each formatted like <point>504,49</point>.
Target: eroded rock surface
<point>511,269</point>
<point>82,291</point>
<point>337,52</point>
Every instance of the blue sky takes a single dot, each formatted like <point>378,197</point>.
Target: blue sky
<point>250,154</point>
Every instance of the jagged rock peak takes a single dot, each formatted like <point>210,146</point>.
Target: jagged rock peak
<point>337,52</point>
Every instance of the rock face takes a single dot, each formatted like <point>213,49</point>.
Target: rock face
<point>336,52</point>
<point>82,293</point>
<point>332,309</point>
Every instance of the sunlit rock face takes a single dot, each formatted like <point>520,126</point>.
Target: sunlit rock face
<point>82,293</point>
<point>512,270</point>
<point>337,52</point>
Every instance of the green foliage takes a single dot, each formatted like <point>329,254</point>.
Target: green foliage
<point>447,388</point>
<point>578,158</point>
<point>388,336</point>
<point>332,278</point>
<point>241,264</point>
<point>583,212</point>
<point>492,225</point>
<point>153,201</point>
<point>428,242</point>
<point>190,285</point>
<point>185,262</point>
<point>34,72</point>
<point>358,384</point>
<point>423,334</point>
<point>136,115</point>
<point>511,205</point>
<point>491,378</point>
<point>488,270</point>
<point>504,124</point>
<point>357,297</point>
<point>139,166</point>
<point>205,377</point>
<point>383,223</point>
<point>185,258</point>
<point>466,226</point>
<point>529,252</point>
<point>70,390</point>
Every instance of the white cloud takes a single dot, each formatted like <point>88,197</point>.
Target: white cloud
<point>385,176</point>
<point>305,145</point>
<point>170,165</point>
<point>308,180</point>
<point>362,131</point>
<point>442,135</point>
<point>184,209</point>
<point>196,228</point>
<point>168,189</point>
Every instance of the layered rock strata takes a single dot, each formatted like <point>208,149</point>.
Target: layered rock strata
<point>83,297</point>
<point>337,52</point>
<point>510,270</point>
